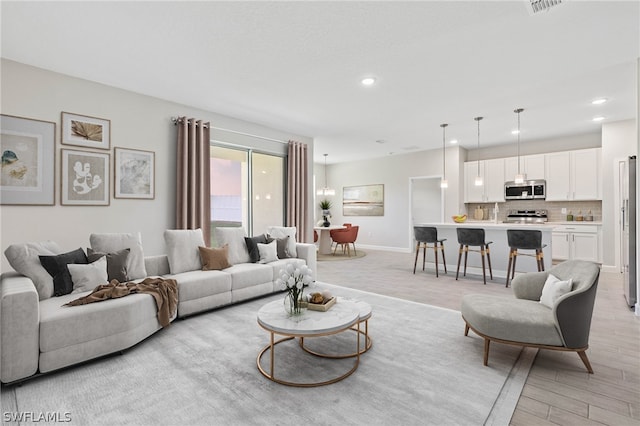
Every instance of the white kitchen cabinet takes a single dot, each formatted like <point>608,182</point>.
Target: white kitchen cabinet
<point>574,175</point>
<point>492,189</point>
<point>533,166</point>
<point>579,242</point>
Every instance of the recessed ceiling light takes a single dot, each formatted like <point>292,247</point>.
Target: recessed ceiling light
<point>515,132</point>
<point>453,141</point>
<point>599,101</point>
<point>599,118</point>
<point>381,141</point>
<point>368,81</point>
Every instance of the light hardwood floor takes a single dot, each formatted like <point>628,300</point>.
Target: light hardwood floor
<point>558,389</point>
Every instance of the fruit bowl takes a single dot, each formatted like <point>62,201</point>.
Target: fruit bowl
<point>459,218</point>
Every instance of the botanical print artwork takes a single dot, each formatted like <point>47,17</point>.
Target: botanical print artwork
<point>135,173</point>
<point>88,131</point>
<point>21,155</point>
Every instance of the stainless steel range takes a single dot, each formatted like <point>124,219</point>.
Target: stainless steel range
<point>526,216</point>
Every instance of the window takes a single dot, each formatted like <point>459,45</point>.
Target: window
<point>247,189</point>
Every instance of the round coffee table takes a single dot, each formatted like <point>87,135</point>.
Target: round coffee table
<point>272,317</point>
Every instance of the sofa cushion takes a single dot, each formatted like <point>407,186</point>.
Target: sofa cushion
<point>109,243</point>
<point>182,249</point>
<point>507,318</point>
<point>116,263</point>
<point>249,274</point>
<point>282,232</point>
<point>198,284</point>
<point>63,326</point>
<point>89,276</point>
<point>214,259</point>
<point>252,246</point>
<point>234,237</point>
<point>268,252</point>
<point>24,258</point>
<point>56,266</point>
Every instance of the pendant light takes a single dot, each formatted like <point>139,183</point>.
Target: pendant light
<point>520,177</point>
<point>478,181</point>
<point>443,182</point>
<point>326,191</point>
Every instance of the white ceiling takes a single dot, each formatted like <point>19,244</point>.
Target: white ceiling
<point>296,66</point>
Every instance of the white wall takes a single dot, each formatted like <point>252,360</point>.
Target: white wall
<point>138,122</point>
<point>618,142</point>
<point>393,230</point>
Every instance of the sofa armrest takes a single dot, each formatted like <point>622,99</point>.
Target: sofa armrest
<point>308,253</point>
<point>157,265</point>
<point>529,286</point>
<point>19,327</point>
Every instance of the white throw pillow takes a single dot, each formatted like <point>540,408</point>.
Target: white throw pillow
<point>268,252</point>
<point>182,249</point>
<point>89,276</point>
<point>109,243</point>
<point>285,231</point>
<point>553,289</point>
<point>234,237</point>
<point>24,258</point>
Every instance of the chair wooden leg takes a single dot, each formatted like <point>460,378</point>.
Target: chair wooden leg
<point>466,256</point>
<point>424,254</point>
<point>355,253</point>
<point>459,259</point>
<point>466,329</point>
<point>486,351</point>
<point>509,267</point>
<point>489,261</point>
<point>484,274</point>
<point>513,267</point>
<point>435,255</point>
<point>415,263</point>
<point>585,361</point>
<point>444,262</point>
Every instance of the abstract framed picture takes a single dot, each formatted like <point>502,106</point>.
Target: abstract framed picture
<point>364,200</point>
<point>85,178</point>
<point>134,173</point>
<point>85,131</point>
<point>28,161</point>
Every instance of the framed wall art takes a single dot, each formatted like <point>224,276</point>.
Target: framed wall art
<point>85,178</point>
<point>28,161</point>
<point>364,200</point>
<point>134,173</point>
<point>89,132</point>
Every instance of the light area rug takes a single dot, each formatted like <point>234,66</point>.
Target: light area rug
<point>421,370</point>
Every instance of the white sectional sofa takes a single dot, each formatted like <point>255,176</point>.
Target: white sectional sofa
<point>38,334</point>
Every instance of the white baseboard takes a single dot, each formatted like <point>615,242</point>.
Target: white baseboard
<point>385,248</point>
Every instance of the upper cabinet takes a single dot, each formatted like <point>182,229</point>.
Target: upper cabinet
<point>533,166</point>
<point>492,173</point>
<point>574,175</point>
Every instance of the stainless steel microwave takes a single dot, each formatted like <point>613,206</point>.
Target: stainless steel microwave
<point>528,190</point>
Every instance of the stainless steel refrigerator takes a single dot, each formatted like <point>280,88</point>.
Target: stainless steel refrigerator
<point>628,228</point>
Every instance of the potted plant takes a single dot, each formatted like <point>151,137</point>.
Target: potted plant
<point>325,205</point>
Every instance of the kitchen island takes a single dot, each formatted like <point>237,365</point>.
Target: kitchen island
<point>496,232</point>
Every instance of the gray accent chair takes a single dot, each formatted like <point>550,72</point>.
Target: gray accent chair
<point>524,321</point>
<point>425,235</point>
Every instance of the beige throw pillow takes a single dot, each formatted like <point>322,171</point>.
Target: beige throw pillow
<point>214,259</point>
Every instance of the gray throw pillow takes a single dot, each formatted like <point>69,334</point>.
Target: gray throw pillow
<point>252,246</point>
<point>109,243</point>
<point>24,259</point>
<point>282,245</point>
<point>282,232</point>
<point>56,266</point>
<point>116,263</point>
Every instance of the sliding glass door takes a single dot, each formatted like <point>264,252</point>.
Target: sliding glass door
<point>247,189</point>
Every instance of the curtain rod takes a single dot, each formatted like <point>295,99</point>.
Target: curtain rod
<point>175,121</point>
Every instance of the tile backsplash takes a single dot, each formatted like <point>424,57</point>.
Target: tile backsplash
<point>554,208</point>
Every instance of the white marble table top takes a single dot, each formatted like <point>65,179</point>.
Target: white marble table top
<point>342,315</point>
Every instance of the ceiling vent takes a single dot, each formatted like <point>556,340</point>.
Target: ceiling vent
<point>537,6</point>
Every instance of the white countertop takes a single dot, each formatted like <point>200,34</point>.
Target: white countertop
<point>488,224</point>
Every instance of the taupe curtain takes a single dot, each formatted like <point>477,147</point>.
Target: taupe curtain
<point>297,180</point>
<point>193,197</point>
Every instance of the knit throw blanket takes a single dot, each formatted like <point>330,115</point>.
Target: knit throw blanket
<point>164,291</point>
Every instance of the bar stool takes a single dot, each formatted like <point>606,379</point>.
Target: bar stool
<point>473,237</point>
<point>524,239</point>
<point>424,236</point>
